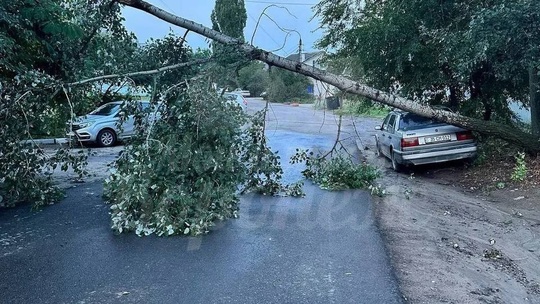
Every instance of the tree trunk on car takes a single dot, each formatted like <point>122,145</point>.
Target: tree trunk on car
<point>528,141</point>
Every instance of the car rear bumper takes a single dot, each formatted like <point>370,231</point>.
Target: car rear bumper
<point>428,157</point>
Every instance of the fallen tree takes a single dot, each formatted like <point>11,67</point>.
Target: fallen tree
<point>528,141</point>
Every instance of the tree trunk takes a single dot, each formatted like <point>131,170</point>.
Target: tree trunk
<point>488,109</point>
<point>534,100</point>
<point>529,142</point>
<point>453,100</point>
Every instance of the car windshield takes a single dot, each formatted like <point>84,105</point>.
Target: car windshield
<point>233,97</point>
<point>411,121</point>
<point>107,109</point>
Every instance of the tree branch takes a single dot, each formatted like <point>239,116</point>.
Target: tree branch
<point>142,73</point>
<point>526,140</point>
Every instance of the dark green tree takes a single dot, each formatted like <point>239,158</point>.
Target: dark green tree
<point>162,52</point>
<point>254,78</point>
<point>419,49</point>
<point>228,17</point>
<point>44,44</point>
<point>508,35</point>
<point>285,86</point>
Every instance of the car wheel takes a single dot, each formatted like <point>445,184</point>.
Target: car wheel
<point>106,138</point>
<point>395,165</point>
<point>377,148</point>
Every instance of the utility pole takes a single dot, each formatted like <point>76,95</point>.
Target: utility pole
<point>300,59</point>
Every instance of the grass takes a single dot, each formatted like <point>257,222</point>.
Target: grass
<point>362,108</point>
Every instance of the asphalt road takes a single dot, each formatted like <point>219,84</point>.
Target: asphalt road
<point>324,248</point>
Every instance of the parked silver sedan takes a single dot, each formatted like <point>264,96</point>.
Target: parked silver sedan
<point>102,125</point>
<point>409,139</point>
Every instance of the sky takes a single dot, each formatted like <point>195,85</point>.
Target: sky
<point>297,16</point>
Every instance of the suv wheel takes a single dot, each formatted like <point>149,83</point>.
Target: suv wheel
<point>106,138</point>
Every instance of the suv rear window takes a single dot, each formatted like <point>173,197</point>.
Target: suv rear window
<point>410,121</point>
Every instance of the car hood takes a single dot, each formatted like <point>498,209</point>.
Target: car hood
<point>92,118</point>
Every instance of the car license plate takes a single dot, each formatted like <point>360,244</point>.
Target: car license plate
<point>439,138</point>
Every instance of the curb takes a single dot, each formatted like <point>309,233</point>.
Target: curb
<point>46,141</point>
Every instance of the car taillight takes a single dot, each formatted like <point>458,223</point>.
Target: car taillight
<point>409,142</point>
<point>245,100</point>
<point>464,135</point>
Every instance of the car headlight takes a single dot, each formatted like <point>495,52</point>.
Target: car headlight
<point>86,124</point>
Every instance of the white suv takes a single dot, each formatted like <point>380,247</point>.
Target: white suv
<point>102,125</point>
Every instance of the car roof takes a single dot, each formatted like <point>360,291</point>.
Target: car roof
<point>435,107</point>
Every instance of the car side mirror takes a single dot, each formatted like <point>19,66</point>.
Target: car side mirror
<point>378,128</point>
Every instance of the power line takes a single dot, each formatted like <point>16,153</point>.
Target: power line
<point>280,3</point>
<point>168,7</point>
<point>262,28</point>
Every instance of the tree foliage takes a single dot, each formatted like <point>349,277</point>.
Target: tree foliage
<point>42,46</point>
<point>508,35</point>
<point>254,77</point>
<point>181,174</point>
<point>285,86</point>
<point>157,53</point>
<point>422,49</point>
<point>228,17</point>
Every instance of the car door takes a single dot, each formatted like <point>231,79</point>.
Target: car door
<point>128,125</point>
<point>391,134</point>
<point>383,136</point>
<point>387,134</point>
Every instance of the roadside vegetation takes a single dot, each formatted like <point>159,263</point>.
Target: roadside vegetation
<point>278,85</point>
<point>361,107</point>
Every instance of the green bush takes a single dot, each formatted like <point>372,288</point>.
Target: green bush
<point>254,78</point>
<point>362,106</point>
<point>520,170</point>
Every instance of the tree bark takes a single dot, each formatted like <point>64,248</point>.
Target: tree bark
<point>528,141</point>
<point>453,100</point>
<point>534,101</point>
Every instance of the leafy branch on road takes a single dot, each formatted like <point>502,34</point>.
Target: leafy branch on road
<point>264,171</point>
<point>182,174</point>
<point>335,172</point>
